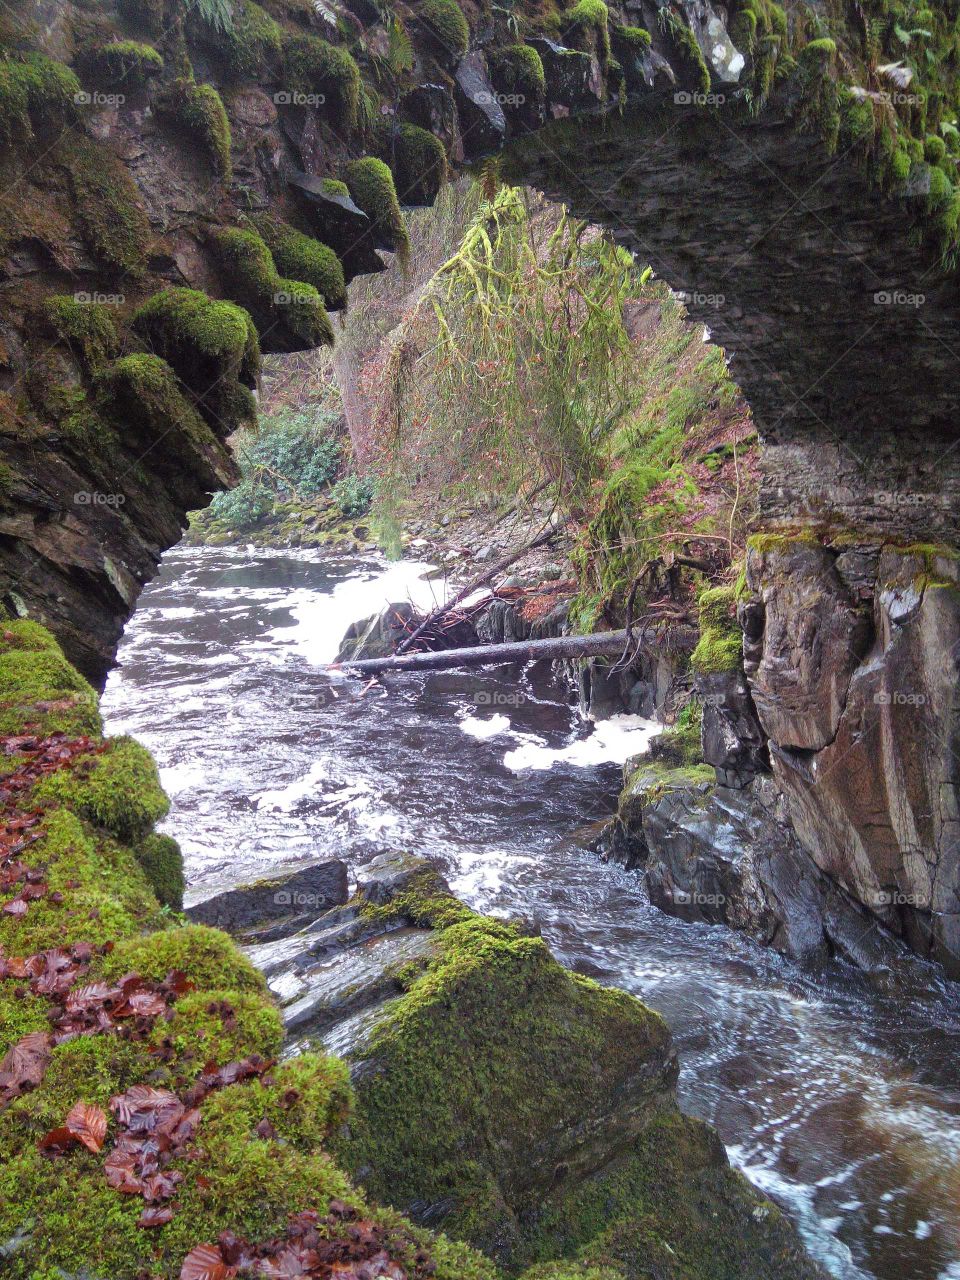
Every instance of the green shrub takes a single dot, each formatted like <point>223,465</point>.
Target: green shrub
<point>197,110</point>
<point>444,27</point>
<point>303,258</point>
<point>353,495</point>
<point>420,164</point>
<point>314,67</point>
<point>371,186</point>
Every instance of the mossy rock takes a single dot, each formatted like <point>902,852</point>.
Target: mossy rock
<point>39,690</point>
<point>109,209</point>
<point>86,327</point>
<point>210,958</point>
<point>219,1025</point>
<point>197,110</point>
<point>518,72</point>
<point>720,647</point>
<point>36,92</point>
<point>280,306</point>
<point>162,864</point>
<point>250,46</point>
<point>443,28</point>
<point>213,347</point>
<point>420,164</point>
<point>494,1069</point>
<point>118,790</point>
<point>586,27</point>
<point>325,74</point>
<point>122,65</point>
<point>301,257</point>
<point>371,186</point>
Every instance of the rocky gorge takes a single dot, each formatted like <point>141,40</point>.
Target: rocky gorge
<point>181,196</point>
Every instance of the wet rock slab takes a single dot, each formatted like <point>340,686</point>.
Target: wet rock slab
<point>274,907</point>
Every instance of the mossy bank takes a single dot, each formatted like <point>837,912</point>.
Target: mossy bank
<point>502,1099</point>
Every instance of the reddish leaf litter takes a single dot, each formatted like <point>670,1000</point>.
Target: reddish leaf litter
<point>18,830</point>
<point>155,1127</point>
<point>358,1250</point>
<point>130,1007</point>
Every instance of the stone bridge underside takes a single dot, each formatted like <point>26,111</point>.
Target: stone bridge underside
<point>842,333</point>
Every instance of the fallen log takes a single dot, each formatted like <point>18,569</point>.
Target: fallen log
<point>487,655</point>
<point>487,576</point>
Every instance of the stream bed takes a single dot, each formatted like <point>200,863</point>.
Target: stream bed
<point>836,1094</point>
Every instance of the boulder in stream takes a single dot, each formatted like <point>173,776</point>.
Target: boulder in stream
<point>278,905</point>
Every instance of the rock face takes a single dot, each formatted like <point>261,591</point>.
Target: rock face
<point>831,824</point>
<point>865,745</point>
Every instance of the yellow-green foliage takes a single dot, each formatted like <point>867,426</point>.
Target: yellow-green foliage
<point>315,68</point>
<point>210,958</point>
<point>720,647</point>
<point>301,257</point>
<point>197,110</point>
<point>253,278</point>
<point>586,27</point>
<point>420,164</point>
<point>118,789</point>
<point>35,92</point>
<point>86,327</point>
<point>123,64</point>
<point>108,206</point>
<point>372,189</point>
<point>444,27</point>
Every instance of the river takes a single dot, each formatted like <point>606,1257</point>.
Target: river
<point>837,1095</point>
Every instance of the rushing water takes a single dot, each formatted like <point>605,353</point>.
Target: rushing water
<point>837,1095</point>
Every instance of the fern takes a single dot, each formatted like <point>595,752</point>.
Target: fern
<point>217,14</point>
<point>401,54</point>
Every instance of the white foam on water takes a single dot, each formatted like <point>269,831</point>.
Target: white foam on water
<point>612,742</point>
<point>322,618</point>
<point>494,727</point>
<point>284,798</point>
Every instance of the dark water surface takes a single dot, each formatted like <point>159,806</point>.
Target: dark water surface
<point>837,1095</point>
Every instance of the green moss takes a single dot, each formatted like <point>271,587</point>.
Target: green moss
<point>325,72</point>
<point>652,779</point>
<point>198,110</point>
<point>371,187</point>
<point>303,258</point>
<point>218,1026</point>
<point>518,70</point>
<point>420,164</point>
<point>444,27</point>
<point>720,647</point>
<point>680,743</point>
<point>252,44</point>
<point>162,864</point>
<point>119,790</point>
<point>35,93</point>
<point>934,149</point>
<point>334,187</point>
<point>143,15</point>
<point>39,688</point>
<point>252,273</point>
<point>689,48</point>
<point>587,28</point>
<point>124,64</point>
<point>108,206</point>
<point>86,327</point>
<point>211,959</point>
<point>818,55</point>
<point>493,1047</point>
